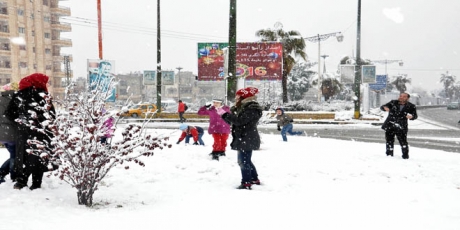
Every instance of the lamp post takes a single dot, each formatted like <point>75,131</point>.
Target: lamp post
<point>324,56</point>
<point>318,38</point>
<point>178,77</point>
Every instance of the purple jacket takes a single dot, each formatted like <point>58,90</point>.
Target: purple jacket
<point>216,123</point>
<point>108,124</point>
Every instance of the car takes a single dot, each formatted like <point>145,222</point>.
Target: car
<point>453,105</point>
<point>139,109</point>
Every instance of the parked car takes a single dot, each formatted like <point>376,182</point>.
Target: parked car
<point>453,105</point>
<point>139,109</point>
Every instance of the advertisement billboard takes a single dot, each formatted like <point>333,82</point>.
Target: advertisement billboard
<point>254,61</point>
<point>100,73</point>
<point>150,77</point>
<point>368,73</point>
<point>347,74</point>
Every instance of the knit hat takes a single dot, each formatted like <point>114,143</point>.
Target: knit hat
<point>183,127</point>
<point>38,80</point>
<point>247,92</point>
<point>217,100</point>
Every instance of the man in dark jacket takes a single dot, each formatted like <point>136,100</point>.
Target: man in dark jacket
<point>244,117</point>
<point>400,111</point>
<point>31,107</point>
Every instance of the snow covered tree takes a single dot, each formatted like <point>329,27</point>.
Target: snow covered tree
<point>76,140</point>
<point>400,82</point>
<point>299,81</point>
<point>448,80</point>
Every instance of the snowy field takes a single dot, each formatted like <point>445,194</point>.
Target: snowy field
<point>307,183</point>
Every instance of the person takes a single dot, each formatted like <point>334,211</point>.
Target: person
<point>188,131</point>
<point>8,136</point>
<point>218,128</point>
<point>181,111</point>
<point>399,111</point>
<point>107,127</point>
<point>31,105</point>
<point>285,121</point>
<point>243,117</point>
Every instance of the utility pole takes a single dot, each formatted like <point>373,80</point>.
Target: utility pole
<point>178,77</point>
<point>231,82</point>
<point>357,113</point>
<point>99,28</point>
<point>158,59</point>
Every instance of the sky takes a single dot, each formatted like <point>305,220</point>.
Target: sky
<point>330,184</point>
<point>422,35</point>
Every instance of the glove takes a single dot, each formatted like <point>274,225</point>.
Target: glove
<point>208,105</point>
<point>220,111</point>
<point>279,128</point>
<point>177,142</point>
<point>292,120</point>
<point>196,143</point>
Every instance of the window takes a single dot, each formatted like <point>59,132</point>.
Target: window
<point>48,67</point>
<point>4,28</point>
<point>45,3</point>
<point>47,19</point>
<point>47,35</point>
<point>33,33</point>
<point>8,80</point>
<point>22,47</point>
<point>20,12</point>
<point>47,51</point>
<point>23,64</point>
<point>33,49</point>
<point>35,66</point>
<point>22,30</point>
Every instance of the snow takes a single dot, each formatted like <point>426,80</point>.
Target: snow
<point>307,183</point>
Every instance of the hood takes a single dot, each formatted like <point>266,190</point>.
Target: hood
<point>36,80</point>
<point>282,110</point>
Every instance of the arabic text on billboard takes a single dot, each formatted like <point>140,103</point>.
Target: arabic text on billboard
<point>100,74</point>
<point>254,61</point>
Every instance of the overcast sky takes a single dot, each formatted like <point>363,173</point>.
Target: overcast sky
<point>424,34</point>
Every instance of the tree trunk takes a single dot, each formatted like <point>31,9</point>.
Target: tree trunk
<point>284,85</point>
<point>85,196</point>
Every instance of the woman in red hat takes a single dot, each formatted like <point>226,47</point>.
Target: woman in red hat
<point>243,117</point>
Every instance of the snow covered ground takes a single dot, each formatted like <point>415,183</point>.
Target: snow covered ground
<point>308,183</point>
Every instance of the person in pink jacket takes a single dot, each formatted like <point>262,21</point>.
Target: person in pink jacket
<point>108,131</point>
<point>218,128</point>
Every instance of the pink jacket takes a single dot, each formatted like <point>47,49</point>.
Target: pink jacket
<point>216,123</point>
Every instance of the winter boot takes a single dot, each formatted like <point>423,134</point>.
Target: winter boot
<point>19,185</point>
<point>35,186</point>
<point>221,153</point>
<point>215,155</point>
<point>257,182</point>
<point>244,185</point>
<point>2,179</point>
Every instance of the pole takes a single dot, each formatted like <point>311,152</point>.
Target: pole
<point>99,28</point>
<point>178,91</point>
<point>158,59</point>
<point>320,82</point>
<point>357,113</point>
<point>232,83</point>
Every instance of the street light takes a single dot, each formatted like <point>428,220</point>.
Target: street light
<point>318,38</point>
<point>401,63</point>
<point>178,76</point>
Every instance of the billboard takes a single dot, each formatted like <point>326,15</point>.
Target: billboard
<point>368,73</point>
<point>254,61</point>
<point>347,74</point>
<point>380,82</point>
<point>150,77</point>
<point>100,73</point>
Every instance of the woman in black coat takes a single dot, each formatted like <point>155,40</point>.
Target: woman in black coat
<point>31,107</point>
<point>244,117</point>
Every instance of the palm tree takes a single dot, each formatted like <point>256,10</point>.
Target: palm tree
<point>400,82</point>
<point>448,81</point>
<point>293,47</point>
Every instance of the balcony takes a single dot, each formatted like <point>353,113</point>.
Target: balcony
<point>60,10</point>
<point>60,57</point>
<point>63,42</point>
<point>61,26</point>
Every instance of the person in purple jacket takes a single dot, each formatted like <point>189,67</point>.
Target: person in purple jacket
<point>218,128</point>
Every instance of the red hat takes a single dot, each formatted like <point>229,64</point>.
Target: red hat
<point>247,92</point>
<point>38,80</point>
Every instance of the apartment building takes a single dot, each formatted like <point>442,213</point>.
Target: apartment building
<point>30,41</point>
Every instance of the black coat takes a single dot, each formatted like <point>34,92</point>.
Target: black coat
<point>396,120</point>
<point>244,125</point>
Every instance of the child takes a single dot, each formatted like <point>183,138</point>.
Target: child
<point>191,131</point>
<point>285,121</point>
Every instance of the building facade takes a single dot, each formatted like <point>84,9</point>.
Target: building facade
<point>30,41</point>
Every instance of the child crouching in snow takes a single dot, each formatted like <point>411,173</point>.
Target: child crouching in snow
<point>191,131</point>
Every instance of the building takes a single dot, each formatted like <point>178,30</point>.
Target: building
<point>30,41</point>
<point>130,86</point>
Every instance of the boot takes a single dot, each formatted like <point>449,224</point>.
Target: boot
<point>245,185</point>
<point>215,155</point>
<point>221,153</point>
<point>2,179</point>
<point>35,186</point>
<point>19,185</point>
